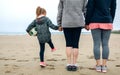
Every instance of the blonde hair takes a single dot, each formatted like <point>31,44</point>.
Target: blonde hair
<point>40,11</point>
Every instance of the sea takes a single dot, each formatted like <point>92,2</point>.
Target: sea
<point>24,33</point>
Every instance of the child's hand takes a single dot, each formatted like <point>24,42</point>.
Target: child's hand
<point>28,34</point>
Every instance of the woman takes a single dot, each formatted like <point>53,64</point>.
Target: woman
<point>71,19</point>
<point>99,18</point>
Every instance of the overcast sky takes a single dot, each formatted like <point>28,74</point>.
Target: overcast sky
<point>16,15</point>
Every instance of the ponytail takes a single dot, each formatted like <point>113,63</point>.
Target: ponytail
<point>38,11</point>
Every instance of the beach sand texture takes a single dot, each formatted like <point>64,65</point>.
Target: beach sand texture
<point>19,55</point>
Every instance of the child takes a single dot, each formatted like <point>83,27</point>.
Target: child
<point>42,24</point>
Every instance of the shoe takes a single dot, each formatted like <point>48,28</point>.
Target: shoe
<point>74,68</point>
<point>69,68</point>
<point>52,50</point>
<point>43,64</point>
<point>98,68</point>
<point>104,69</point>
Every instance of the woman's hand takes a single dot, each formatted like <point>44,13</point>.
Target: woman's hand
<point>87,27</point>
<point>60,28</point>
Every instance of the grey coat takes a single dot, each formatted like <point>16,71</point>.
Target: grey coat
<point>71,13</point>
<point>42,25</point>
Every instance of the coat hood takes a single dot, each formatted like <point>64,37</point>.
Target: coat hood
<point>41,20</point>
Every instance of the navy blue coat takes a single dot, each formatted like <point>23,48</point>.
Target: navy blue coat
<point>100,11</point>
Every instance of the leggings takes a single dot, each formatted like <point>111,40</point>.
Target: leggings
<point>101,37</point>
<point>72,36</point>
<point>42,49</point>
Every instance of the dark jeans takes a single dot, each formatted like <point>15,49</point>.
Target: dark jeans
<point>72,36</point>
<point>42,49</point>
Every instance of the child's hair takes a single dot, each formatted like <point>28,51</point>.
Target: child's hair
<point>43,11</point>
<point>40,11</point>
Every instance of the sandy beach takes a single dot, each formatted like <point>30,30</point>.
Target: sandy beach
<point>19,55</point>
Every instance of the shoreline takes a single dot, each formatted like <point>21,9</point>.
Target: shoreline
<point>53,32</point>
<point>24,33</point>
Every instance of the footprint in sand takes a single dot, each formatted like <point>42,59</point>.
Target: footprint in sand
<point>86,68</point>
<point>117,57</point>
<point>21,74</point>
<point>63,59</point>
<point>51,59</point>
<point>12,66</point>
<point>111,60</point>
<point>81,54</point>
<point>15,67</point>
<point>36,58</point>
<point>6,59</point>
<point>91,68</point>
<point>83,74</point>
<point>6,65</point>
<point>117,65</point>
<point>12,59</point>
<point>22,60</point>
<point>80,67</point>
<point>90,57</point>
<point>50,67</point>
<point>7,71</point>
<point>57,54</point>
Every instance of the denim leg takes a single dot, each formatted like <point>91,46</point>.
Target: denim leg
<point>105,40</point>
<point>96,35</point>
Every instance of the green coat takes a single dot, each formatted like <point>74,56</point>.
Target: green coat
<point>42,25</point>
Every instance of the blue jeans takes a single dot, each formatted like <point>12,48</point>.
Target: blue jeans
<point>101,37</point>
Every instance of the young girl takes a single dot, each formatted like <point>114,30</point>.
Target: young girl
<point>42,24</point>
<point>99,18</point>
